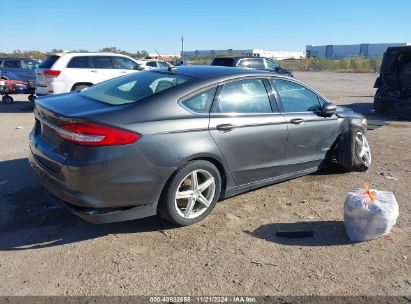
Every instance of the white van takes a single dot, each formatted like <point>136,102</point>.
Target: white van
<point>66,72</point>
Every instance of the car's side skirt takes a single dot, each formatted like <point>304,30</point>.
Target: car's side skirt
<point>269,181</point>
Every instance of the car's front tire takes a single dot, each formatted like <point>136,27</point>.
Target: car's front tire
<point>354,153</point>
<point>191,194</point>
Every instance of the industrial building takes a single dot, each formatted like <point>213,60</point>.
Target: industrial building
<point>366,50</point>
<point>249,52</point>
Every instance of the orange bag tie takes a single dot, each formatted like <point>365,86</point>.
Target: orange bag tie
<point>371,194</point>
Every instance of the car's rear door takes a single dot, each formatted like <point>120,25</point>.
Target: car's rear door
<point>249,130</point>
<point>310,135</point>
<point>102,69</point>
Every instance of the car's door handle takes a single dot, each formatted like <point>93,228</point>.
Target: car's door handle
<point>93,71</point>
<point>297,121</point>
<point>123,72</point>
<point>225,127</point>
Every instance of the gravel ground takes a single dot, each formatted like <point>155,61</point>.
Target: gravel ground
<point>45,250</point>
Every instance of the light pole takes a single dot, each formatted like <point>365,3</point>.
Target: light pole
<point>182,49</point>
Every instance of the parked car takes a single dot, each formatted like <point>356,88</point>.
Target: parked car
<point>67,72</point>
<point>21,69</point>
<point>394,83</point>
<point>175,141</point>
<point>149,64</point>
<point>259,63</point>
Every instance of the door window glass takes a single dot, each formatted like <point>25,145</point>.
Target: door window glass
<point>295,97</point>
<point>152,64</point>
<point>245,63</point>
<point>12,64</point>
<point>79,62</point>
<point>257,63</point>
<point>271,64</point>
<point>123,63</point>
<point>244,96</point>
<point>102,62</point>
<point>163,64</point>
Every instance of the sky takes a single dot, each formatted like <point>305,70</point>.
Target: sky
<point>287,25</point>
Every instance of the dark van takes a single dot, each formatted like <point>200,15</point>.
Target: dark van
<point>394,83</point>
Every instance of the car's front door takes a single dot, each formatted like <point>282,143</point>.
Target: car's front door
<point>310,135</point>
<point>124,65</point>
<point>249,130</point>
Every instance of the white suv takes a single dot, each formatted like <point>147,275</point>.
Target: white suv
<point>66,72</point>
<point>149,64</point>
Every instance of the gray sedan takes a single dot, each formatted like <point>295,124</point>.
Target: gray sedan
<point>175,141</point>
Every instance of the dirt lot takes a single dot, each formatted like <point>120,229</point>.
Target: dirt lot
<point>45,250</point>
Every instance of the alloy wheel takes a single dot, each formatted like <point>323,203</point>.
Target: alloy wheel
<point>195,194</point>
<point>362,148</point>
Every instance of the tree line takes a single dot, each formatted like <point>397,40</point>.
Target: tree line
<point>41,55</point>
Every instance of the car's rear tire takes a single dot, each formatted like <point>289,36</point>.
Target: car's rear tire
<point>191,194</point>
<point>7,99</point>
<point>353,152</point>
<point>79,87</point>
<point>379,105</point>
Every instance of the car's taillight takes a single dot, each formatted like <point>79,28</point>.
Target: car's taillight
<point>51,73</point>
<point>90,134</point>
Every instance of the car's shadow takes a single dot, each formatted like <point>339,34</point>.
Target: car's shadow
<point>17,106</point>
<point>31,218</point>
<point>367,109</point>
<point>321,233</point>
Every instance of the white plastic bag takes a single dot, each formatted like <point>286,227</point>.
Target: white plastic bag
<point>369,214</point>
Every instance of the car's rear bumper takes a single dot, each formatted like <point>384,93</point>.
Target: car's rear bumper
<point>90,214</point>
<point>120,186</point>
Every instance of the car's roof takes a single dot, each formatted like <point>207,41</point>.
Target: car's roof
<point>16,58</point>
<point>148,59</point>
<point>242,57</point>
<point>86,54</point>
<point>399,48</point>
<point>209,72</point>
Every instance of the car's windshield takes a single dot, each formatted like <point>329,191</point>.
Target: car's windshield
<point>133,88</point>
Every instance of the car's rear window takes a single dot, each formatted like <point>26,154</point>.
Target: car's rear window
<point>223,62</point>
<point>48,62</point>
<point>133,88</point>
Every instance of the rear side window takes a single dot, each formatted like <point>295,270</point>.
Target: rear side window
<point>79,62</point>
<point>12,64</point>
<point>152,64</point>
<point>48,62</point>
<point>257,63</point>
<point>223,62</point>
<point>200,103</point>
<point>295,97</point>
<point>244,96</point>
<point>102,62</point>
<point>133,88</point>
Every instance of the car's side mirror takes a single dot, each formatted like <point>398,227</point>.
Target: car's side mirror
<point>328,109</point>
